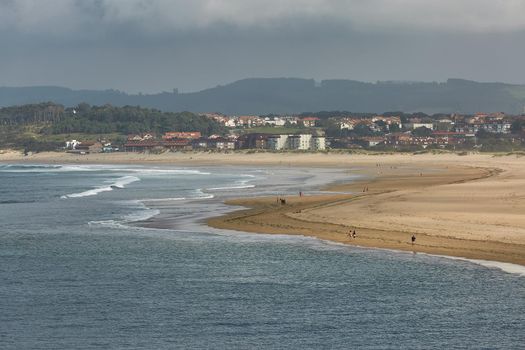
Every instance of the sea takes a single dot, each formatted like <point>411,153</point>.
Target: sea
<point>78,270</point>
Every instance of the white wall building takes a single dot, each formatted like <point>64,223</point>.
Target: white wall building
<point>278,142</point>
<point>318,143</point>
<point>300,142</point>
<point>415,125</point>
<point>297,142</point>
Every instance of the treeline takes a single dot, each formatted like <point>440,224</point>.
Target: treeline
<point>31,114</point>
<point>51,119</point>
<point>128,120</point>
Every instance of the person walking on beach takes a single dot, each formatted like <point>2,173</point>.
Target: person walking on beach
<point>413,239</point>
<point>353,234</point>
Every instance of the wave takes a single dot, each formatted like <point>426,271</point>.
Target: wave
<point>21,168</point>
<point>202,195</point>
<point>119,183</point>
<point>163,199</point>
<point>514,269</point>
<point>233,187</point>
<point>40,168</point>
<point>141,215</point>
<point>13,201</point>
<point>236,185</point>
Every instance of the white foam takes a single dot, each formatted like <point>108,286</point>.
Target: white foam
<point>505,267</point>
<point>119,183</point>
<point>141,215</point>
<point>39,168</point>
<point>107,223</point>
<point>233,187</point>
<point>202,195</point>
<point>163,199</point>
<point>205,196</point>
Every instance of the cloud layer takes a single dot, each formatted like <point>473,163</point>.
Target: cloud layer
<point>60,17</point>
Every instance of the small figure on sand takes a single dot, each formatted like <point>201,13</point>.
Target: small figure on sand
<point>413,239</point>
<point>283,201</point>
<point>353,234</point>
<point>300,193</point>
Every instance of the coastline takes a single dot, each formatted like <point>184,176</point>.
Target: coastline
<point>315,216</point>
<point>460,206</point>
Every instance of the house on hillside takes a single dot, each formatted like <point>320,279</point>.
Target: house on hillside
<point>191,135</point>
<point>142,137</point>
<point>309,121</point>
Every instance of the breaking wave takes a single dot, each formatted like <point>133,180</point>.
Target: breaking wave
<point>118,184</point>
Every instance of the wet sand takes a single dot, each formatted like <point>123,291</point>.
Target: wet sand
<point>475,212</point>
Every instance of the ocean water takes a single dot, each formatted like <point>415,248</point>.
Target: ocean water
<point>76,272</point>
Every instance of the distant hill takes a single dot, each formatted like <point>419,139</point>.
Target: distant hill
<point>292,95</point>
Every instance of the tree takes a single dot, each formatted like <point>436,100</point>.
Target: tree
<point>422,132</point>
<point>517,126</point>
<point>363,130</point>
<point>394,127</point>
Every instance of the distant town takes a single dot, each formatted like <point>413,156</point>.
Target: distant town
<point>88,129</point>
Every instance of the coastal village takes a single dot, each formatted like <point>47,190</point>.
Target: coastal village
<point>313,134</point>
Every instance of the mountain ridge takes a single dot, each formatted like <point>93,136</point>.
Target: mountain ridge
<point>297,95</point>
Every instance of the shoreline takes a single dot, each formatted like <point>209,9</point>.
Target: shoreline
<point>300,216</point>
<point>459,206</point>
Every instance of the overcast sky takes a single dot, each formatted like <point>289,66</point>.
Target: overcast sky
<point>157,45</point>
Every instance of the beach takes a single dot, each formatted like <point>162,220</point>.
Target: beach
<point>464,206</point>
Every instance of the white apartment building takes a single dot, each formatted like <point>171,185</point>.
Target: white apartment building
<point>415,125</point>
<point>278,142</point>
<point>300,142</point>
<point>297,142</point>
<point>318,143</point>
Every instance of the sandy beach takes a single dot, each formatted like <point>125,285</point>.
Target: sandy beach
<point>468,206</point>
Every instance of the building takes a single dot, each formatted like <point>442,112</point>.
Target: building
<point>309,121</point>
<point>177,144</point>
<point>372,141</point>
<point>277,142</point>
<point>181,135</point>
<point>142,146</point>
<point>299,142</point>
<point>497,127</point>
<point>443,125</point>
<point>221,143</point>
<point>87,147</point>
<point>249,121</point>
<point>142,137</point>
<point>253,141</point>
<point>415,123</point>
<point>318,143</point>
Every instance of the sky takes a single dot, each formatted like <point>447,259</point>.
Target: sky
<point>150,46</point>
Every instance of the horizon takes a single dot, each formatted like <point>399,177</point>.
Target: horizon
<point>183,91</point>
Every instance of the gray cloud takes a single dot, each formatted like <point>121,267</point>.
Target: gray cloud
<point>59,17</point>
<point>149,46</point>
